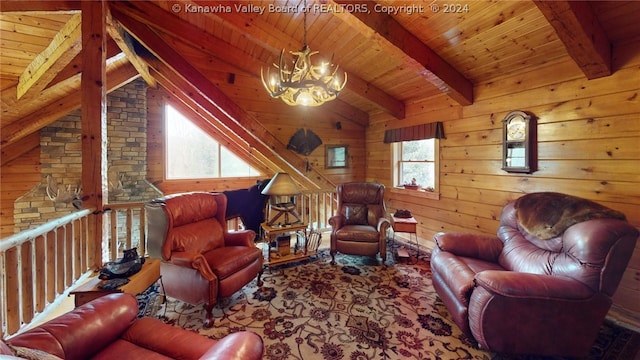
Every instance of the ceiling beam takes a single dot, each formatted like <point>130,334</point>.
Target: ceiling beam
<point>66,44</point>
<point>273,40</point>
<point>51,112</point>
<point>429,64</point>
<point>167,23</point>
<point>193,83</point>
<point>125,44</point>
<point>39,6</point>
<point>579,29</point>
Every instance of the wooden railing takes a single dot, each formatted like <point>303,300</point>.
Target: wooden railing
<point>39,264</point>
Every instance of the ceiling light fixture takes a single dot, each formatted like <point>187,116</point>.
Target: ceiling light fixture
<point>302,82</point>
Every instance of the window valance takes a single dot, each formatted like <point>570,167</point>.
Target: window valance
<point>416,132</point>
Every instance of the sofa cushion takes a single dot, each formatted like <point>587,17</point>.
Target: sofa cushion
<point>363,233</point>
<point>229,260</point>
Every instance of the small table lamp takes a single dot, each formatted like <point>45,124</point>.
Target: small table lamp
<point>280,186</point>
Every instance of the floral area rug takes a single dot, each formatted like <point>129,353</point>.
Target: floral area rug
<point>355,310</point>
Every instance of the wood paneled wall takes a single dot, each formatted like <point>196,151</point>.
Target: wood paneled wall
<point>20,172</point>
<point>588,136</point>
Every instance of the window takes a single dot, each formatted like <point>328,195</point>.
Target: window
<point>193,154</point>
<point>417,160</point>
<point>336,156</point>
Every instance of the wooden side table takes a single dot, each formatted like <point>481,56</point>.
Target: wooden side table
<point>138,283</point>
<point>270,233</point>
<point>406,225</point>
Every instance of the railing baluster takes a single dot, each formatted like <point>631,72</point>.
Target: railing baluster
<point>26,271</point>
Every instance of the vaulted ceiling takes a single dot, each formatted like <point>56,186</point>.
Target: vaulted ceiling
<point>212,52</point>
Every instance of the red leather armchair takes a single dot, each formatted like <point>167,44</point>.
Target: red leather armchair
<point>519,294</point>
<point>108,328</point>
<point>360,226</point>
<point>202,260</point>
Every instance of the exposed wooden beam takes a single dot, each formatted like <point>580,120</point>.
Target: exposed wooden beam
<point>38,6</point>
<point>124,42</point>
<point>49,113</point>
<point>431,66</point>
<point>159,19</point>
<point>66,44</point>
<point>580,31</point>
<point>192,82</point>
<point>94,118</point>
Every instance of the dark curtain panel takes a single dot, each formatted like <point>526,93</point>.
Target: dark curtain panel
<point>416,132</point>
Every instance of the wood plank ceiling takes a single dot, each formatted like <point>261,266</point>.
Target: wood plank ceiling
<point>217,48</point>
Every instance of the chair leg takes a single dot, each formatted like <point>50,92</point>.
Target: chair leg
<point>333,257</point>
<point>208,322</point>
<point>260,282</point>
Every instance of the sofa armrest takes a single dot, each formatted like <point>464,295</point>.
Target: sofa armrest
<point>240,238</point>
<point>85,330</point>
<point>482,247</point>
<point>193,260</point>
<point>243,345</point>
<point>337,221</point>
<point>383,225</point>
<point>168,340</point>
<point>525,285</point>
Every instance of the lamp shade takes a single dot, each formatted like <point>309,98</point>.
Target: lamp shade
<point>281,184</point>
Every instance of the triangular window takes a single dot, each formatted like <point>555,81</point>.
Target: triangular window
<point>193,154</point>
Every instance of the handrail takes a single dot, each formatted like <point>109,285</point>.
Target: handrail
<point>30,234</point>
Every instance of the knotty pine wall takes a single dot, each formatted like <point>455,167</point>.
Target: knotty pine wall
<point>588,146</point>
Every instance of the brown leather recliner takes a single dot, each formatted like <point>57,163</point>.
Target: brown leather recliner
<point>518,293</point>
<point>108,328</point>
<point>202,260</point>
<point>360,225</point>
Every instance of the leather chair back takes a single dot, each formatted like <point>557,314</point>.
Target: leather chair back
<point>590,251</point>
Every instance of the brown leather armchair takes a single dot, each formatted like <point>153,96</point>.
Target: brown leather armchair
<point>202,260</point>
<point>108,328</point>
<point>360,226</point>
<point>518,293</point>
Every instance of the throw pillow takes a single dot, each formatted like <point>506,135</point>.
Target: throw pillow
<point>355,214</point>
<point>32,354</point>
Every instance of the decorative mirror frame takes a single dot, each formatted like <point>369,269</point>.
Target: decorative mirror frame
<point>336,156</point>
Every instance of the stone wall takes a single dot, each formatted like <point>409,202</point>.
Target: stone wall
<point>61,158</point>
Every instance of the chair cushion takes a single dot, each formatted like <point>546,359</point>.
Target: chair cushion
<point>197,237</point>
<point>228,260</point>
<point>364,233</point>
<point>355,214</point>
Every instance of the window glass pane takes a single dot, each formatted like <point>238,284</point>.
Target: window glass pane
<point>418,150</point>
<point>233,166</point>
<point>191,153</point>
<point>423,172</point>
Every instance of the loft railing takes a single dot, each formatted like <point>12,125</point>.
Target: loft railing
<point>40,264</point>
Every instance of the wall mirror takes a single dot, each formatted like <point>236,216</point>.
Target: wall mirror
<point>336,156</point>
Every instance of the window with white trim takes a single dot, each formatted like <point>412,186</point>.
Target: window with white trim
<point>416,159</point>
<point>193,154</point>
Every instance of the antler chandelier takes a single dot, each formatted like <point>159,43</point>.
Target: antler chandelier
<point>302,82</point>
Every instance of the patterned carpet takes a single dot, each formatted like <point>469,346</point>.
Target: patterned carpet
<point>356,310</point>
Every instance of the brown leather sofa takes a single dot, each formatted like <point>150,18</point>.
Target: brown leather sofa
<point>360,225</point>
<point>108,328</point>
<point>517,293</point>
<point>202,260</point>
